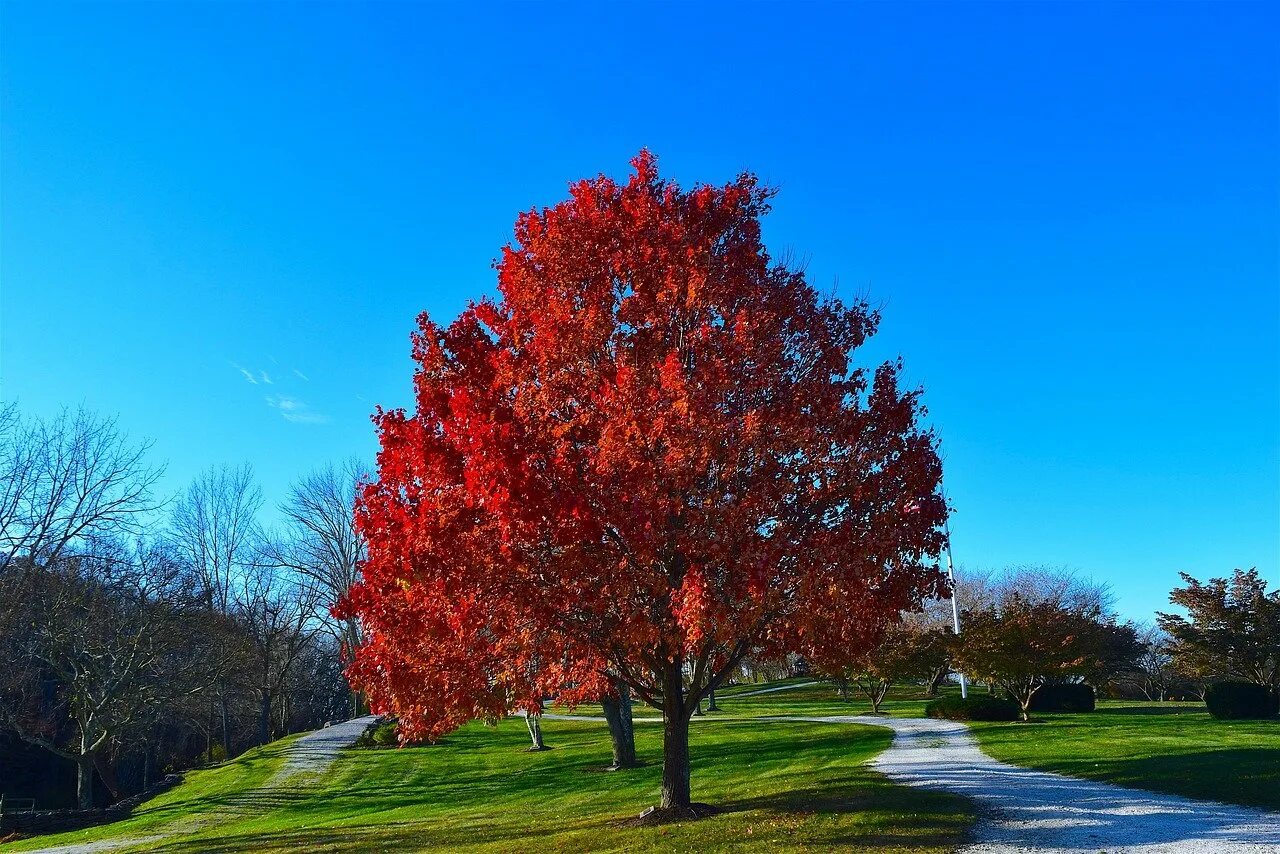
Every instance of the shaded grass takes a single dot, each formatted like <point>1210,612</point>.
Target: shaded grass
<point>783,787</point>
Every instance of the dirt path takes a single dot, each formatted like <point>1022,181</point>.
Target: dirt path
<point>309,755</point>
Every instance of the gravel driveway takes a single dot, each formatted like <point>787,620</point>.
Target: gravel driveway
<point>1022,810</point>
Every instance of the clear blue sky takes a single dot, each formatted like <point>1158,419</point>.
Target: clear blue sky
<point>1069,212</point>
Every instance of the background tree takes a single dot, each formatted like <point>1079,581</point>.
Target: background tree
<point>1021,645</point>
<point>653,452</point>
<point>278,618</point>
<point>909,649</point>
<point>120,637</point>
<point>97,644</point>
<point>1153,673</point>
<point>215,528</point>
<point>324,548</point>
<point>1232,629</point>
<point>67,479</point>
<point>934,642</point>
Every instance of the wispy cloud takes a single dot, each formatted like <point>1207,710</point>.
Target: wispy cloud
<point>294,410</point>
<point>300,375</point>
<point>266,378</point>
<point>248,374</point>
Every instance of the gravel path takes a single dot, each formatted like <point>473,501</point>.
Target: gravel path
<point>768,690</point>
<point>310,754</point>
<point>1022,810</point>
<point>314,752</point>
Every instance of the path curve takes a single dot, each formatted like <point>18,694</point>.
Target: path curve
<point>310,754</point>
<point>1021,810</point>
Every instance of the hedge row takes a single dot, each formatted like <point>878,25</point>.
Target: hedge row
<point>980,708</point>
<point>1239,701</point>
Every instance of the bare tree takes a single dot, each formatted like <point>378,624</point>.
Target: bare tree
<point>215,529</point>
<point>278,617</point>
<point>1154,673</point>
<point>99,640</point>
<point>323,547</point>
<point>67,479</point>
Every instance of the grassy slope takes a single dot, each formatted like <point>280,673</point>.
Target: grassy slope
<point>1165,747</point>
<point>786,786</point>
<point>200,794</point>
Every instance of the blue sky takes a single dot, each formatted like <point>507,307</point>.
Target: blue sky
<point>1068,211</point>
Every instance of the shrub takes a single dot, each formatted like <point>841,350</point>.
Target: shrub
<point>1239,701</point>
<point>972,709</point>
<point>1064,697</point>
<point>379,734</point>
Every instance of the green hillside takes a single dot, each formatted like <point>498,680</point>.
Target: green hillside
<point>787,785</point>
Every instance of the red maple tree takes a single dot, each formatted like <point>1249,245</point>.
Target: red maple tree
<point>650,457</point>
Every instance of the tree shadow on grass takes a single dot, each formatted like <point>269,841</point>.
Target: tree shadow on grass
<point>1248,776</point>
<point>1150,710</point>
<point>937,819</point>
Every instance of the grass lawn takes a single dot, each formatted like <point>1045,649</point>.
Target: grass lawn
<point>784,787</point>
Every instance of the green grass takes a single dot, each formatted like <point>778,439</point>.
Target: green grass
<point>784,787</point>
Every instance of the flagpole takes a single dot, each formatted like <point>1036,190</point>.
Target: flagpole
<point>955,607</point>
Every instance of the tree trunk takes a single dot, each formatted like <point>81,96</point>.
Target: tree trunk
<point>675,743</point>
<point>107,773</point>
<point>842,688</point>
<point>226,730</point>
<point>84,782</point>
<point>264,718</point>
<point>877,697</point>
<point>1023,694</point>
<point>711,701</point>
<point>617,712</point>
<point>534,722</point>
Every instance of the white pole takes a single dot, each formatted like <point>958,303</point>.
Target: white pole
<point>955,607</point>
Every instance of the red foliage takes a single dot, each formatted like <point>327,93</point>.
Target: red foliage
<point>651,453</point>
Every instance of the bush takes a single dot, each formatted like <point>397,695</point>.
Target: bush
<point>1230,701</point>
<point>1064,697</point>
<point>379,734</point>
<point>972,709</point>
